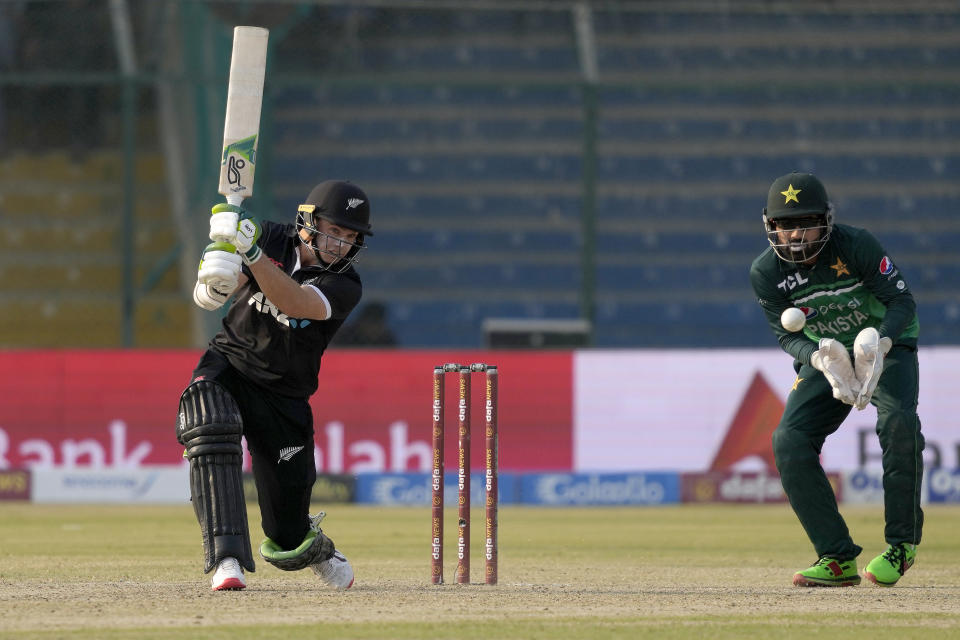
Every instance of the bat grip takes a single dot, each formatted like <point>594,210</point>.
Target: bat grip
<point>235,200</point>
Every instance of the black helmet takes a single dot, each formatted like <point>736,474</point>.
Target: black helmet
<point>798,195</point>
<point>340,202</point>
<point>343,204</point>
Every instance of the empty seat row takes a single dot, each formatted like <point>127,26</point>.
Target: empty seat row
<point>741,129</point>
<point>796,97</point>
<point>99,276</point>
<point>400,166</point>
<point>473,56</point>
<point>399,95</point>
<point>534,278</point>
<point>765,22</point>
<point>922,208</point>
<point>724,56</point>
<point>404,129</point>
<point>851,166</point>
<point>456,241</point>
<point>93,322</point>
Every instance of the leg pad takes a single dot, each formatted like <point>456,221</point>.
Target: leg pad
<point>209,426</point>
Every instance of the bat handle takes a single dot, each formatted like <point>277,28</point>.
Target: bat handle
<point>235,200</point>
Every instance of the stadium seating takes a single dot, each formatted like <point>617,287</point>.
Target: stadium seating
<point>476,183</point>
<point>469,129</point>
<point>62,260</point>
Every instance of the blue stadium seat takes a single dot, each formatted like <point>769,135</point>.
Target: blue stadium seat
<point>653,277</point>
<point>669,324</point>
<point>450,167</point>
<point>676,227</point>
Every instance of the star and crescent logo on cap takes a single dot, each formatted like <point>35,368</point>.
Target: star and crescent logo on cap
<point>791,194</point>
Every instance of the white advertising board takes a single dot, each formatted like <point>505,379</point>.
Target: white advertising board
<point>141,485</point>
<point>675,410</point>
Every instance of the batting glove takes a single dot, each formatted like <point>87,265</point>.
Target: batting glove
<point>219,267</point>
<point>236,226</point>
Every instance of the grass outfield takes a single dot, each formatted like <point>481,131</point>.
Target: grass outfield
<point>588,573</point>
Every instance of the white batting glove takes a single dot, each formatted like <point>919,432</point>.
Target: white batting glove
<point>206,297</point>
<point>223,223</point>
<point>220,267</point>
<point>869,350</point>
<point>834,361</point>
<point>237,227</point>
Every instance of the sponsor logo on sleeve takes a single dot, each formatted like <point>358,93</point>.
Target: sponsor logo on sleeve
<point>886,266</point>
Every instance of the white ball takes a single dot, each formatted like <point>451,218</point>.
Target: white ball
<point>793,319</point>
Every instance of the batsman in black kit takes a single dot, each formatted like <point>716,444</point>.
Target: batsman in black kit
<point>293,286</point>
<point>858,347</point>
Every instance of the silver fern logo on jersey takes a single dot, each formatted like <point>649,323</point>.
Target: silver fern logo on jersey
<point>288,452</point>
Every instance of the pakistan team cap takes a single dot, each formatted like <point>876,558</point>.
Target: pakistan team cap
<point>796,194</point>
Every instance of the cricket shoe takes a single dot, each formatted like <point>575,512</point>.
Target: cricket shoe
<point>828,572</point>
<point>886,568</point>
<point>335,570</point>
<point>228,576</point>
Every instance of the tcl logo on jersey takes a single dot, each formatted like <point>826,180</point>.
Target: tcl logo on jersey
<point>793,281</point>
<point>262,304</point>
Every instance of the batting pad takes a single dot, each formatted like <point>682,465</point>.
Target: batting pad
<point>209,426</point>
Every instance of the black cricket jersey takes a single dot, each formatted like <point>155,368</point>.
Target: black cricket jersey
<point>853,284</point>
<point>270,348</point>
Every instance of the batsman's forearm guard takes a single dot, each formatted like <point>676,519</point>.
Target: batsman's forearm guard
<point>209,426</point>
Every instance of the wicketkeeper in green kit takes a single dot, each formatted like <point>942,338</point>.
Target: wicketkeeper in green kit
<point>858,347</point>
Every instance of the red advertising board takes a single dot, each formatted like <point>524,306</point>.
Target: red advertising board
<point>372,411</point>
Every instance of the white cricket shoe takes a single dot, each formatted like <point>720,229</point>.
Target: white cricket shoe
<point>228,576</point>
<point>335,571</point>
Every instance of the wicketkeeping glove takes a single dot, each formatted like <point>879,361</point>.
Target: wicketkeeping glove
<point>834,361</point>
<point>869,350</point>
<point>236,226</point>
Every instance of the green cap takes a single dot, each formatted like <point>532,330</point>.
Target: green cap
<point>796,194</point>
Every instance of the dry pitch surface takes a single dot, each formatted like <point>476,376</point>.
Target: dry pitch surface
<point>671,572</point>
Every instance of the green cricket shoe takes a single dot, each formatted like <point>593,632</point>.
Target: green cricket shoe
<point>886,568</point>
<point>828,572</point>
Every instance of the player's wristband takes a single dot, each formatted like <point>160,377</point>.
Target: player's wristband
<point>251,256</point>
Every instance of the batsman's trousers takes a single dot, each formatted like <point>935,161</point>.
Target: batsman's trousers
<point>279,433</point>
<point>812,413</point>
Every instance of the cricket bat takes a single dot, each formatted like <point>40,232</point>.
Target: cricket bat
<point>241,128</point>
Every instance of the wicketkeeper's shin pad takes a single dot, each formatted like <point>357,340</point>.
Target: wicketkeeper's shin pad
<point>209,426</point>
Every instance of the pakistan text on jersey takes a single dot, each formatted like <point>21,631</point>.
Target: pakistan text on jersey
<point>839,325</point>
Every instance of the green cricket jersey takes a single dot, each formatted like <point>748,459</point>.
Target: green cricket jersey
<point>853,285</point>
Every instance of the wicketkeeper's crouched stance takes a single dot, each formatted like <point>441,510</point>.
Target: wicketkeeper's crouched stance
<point>857,303</point>
<point>257,376</point>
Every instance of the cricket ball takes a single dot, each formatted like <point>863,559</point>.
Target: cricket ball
<point>793,319</point>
